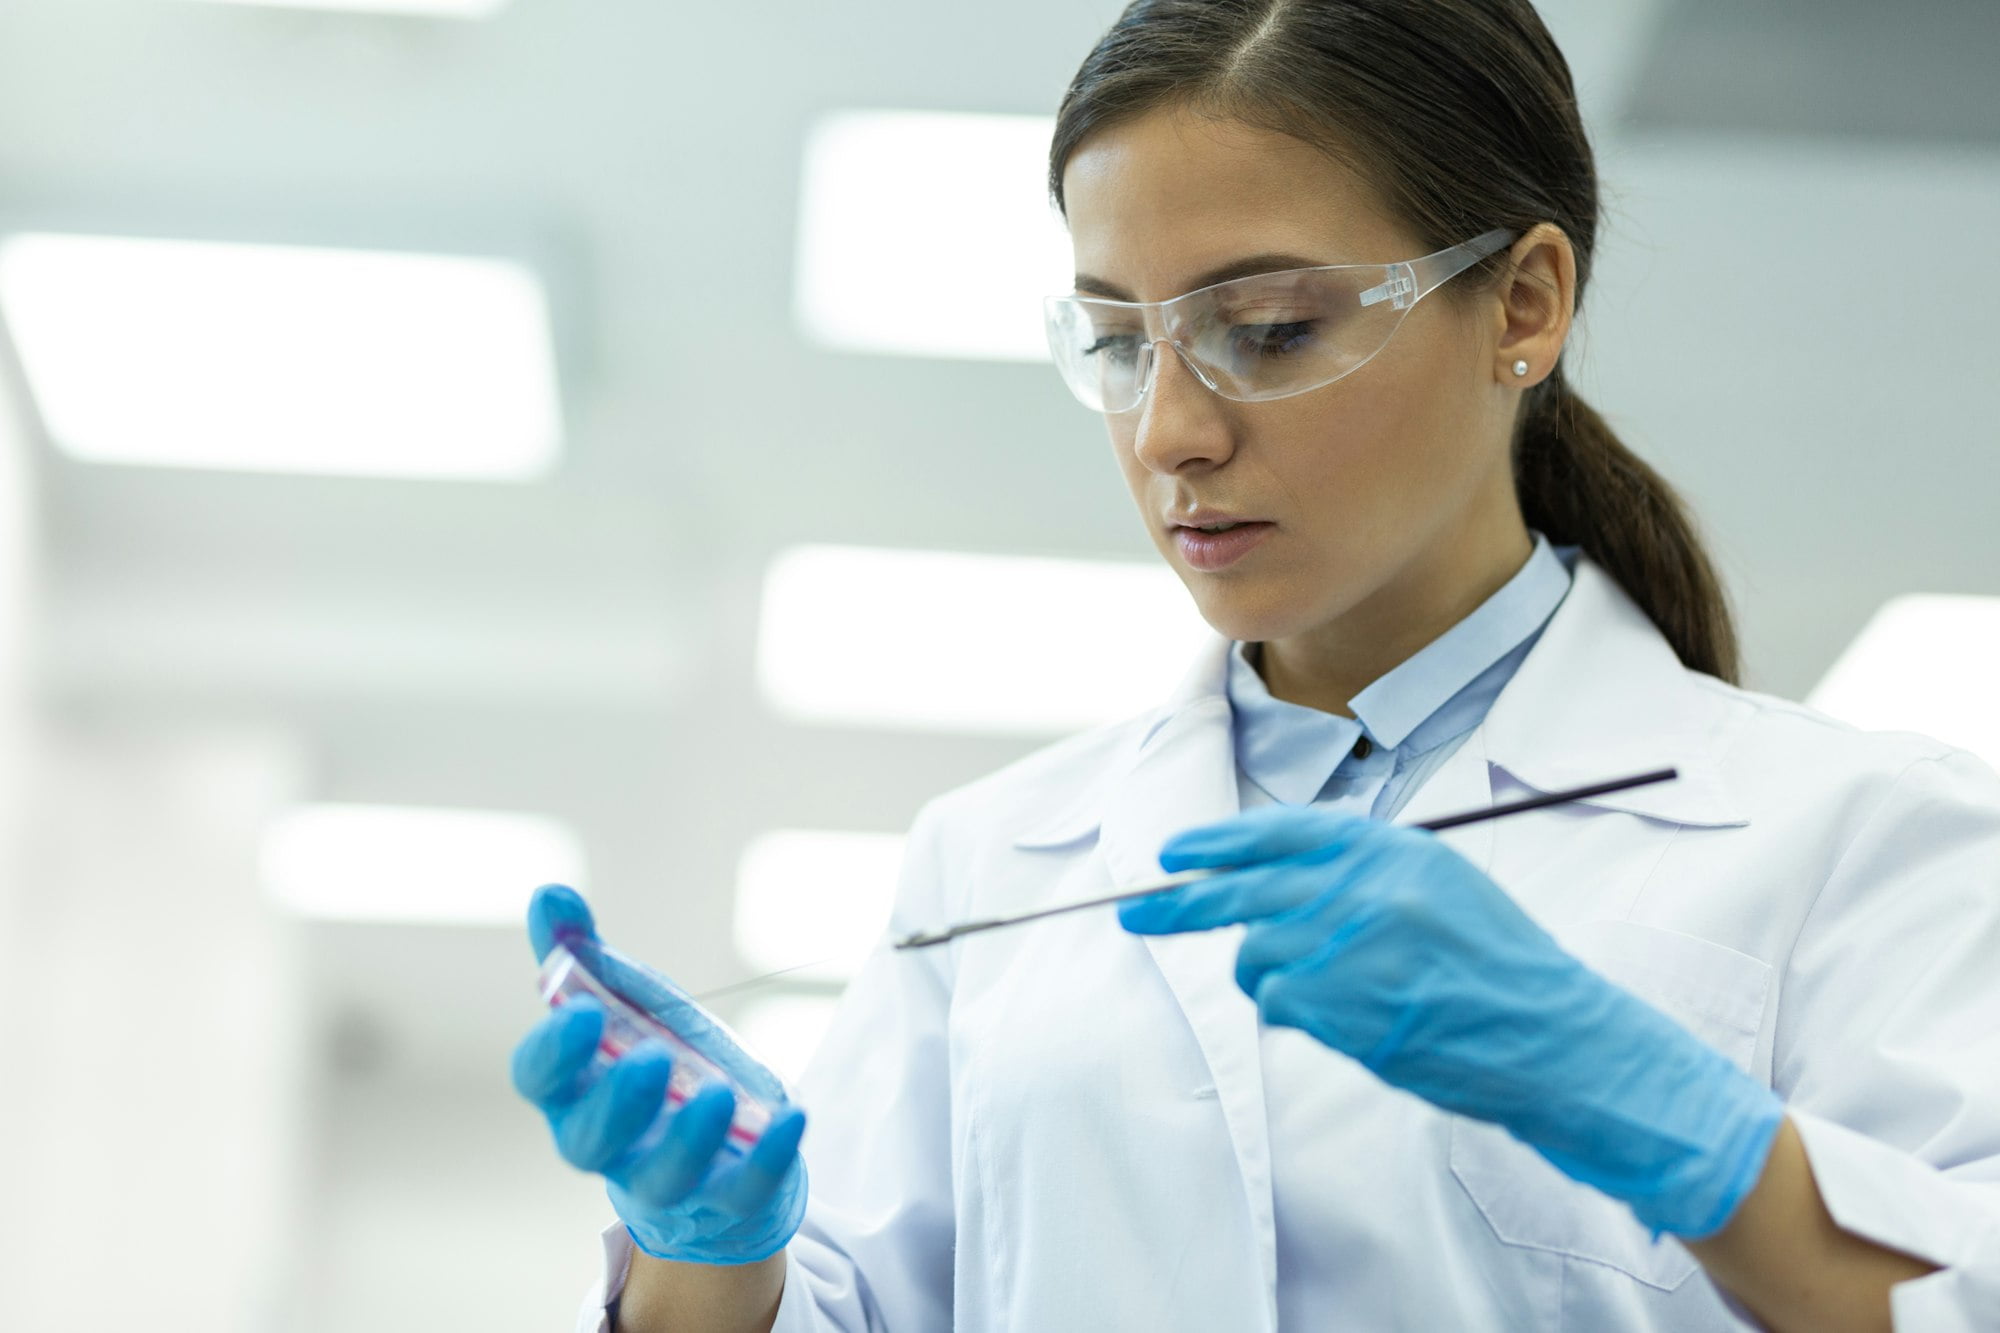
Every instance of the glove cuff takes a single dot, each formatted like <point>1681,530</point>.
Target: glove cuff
<point>685,1240</point>
<point>1670,1126</point>
<point>1714,1188</point>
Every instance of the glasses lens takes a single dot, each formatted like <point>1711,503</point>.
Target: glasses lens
<point>1259,337</point>
<point>1283,333</point>
<point>1100,347</point>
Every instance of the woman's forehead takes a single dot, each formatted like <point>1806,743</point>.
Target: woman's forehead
<point>1168,198</point>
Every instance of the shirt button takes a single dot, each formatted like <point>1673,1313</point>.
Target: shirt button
<point>1363,748</point>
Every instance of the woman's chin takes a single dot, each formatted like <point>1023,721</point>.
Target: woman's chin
<point>1245,620</point>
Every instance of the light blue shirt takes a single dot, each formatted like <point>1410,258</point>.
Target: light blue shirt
<point>1407,723</point>
<point>1412,719</point>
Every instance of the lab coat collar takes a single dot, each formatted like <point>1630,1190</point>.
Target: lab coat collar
<point>1600,695</point>
<point>1203,688</point>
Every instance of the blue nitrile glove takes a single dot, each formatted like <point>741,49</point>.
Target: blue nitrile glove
<point>1387,945</point>
<point>676,1198</point>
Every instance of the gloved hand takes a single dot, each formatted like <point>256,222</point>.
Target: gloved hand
<point>676,1197</point>
<point>1386,945</point>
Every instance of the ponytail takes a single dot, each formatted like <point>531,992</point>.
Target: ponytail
<point>1580,486</point>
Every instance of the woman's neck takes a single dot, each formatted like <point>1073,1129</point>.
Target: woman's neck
<point>1325,667</point>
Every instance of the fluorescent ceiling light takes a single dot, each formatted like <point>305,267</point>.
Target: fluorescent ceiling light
<point>281,359</point>
<point>412,864</point>
<point>783,1031</point>
<point>945,641</point>
<point>456,9</point>
<point>1923,663</point>
<point>803,895</point>
<point>929,234</point>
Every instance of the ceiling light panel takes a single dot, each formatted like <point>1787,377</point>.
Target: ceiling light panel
<point>955,642</point>
<point>929,234</point>
<point>785,1031</point>
<point>416,865</point>
<point>1924,663</point>
<point>812,902</point>
<point>284,359</point>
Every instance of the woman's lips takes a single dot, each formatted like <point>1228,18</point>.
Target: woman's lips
<point>1211,551</point>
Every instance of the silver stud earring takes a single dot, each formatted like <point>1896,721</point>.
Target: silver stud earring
<point>1520,367</point>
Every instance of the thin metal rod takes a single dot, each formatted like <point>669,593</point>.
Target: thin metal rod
<point>761,978</point>
<point>925,939</point>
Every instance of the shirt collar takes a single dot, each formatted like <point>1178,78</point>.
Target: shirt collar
<point>1291,750</point>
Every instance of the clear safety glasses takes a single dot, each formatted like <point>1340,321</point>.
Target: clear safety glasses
<point>1269,335</point>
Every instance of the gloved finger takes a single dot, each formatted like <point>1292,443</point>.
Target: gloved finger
<point>1263,834</point>
<point>1292,996</point>
<point>680,1161</point>
<point>752,1182</point>
<point>557,910</point>
<point>549,1062</point>
<point>609,1118</point>
<point>1241,895</point>
<point>1362,895</point>
<point>1249,894</point>
<point>1316,931</point>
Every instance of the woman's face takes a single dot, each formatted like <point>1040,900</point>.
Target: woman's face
<point>1390,490</point>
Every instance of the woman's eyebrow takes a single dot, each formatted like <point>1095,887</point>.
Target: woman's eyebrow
<point>1235,268</point>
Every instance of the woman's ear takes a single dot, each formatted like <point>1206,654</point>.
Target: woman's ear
<point>1536,302</point>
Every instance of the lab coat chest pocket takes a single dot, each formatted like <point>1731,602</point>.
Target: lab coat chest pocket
<point>1712,990</point>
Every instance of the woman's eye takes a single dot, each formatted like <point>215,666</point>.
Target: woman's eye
<point>1115,344</point>
<point>1274,339</point>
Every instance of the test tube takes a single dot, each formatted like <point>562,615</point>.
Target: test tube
<point>577,966</point>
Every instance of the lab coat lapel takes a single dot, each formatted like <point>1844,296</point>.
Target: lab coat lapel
<point>1183,776</point>
<point>1463,782</point>
<point>1602,696</point>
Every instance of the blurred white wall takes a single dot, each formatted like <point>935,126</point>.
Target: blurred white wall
<point>151,1121</point>
<point>1799,332</point>
<point>160,1024</point>
<point>19,570</point>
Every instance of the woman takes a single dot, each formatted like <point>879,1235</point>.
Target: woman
<point>1719,1053</point>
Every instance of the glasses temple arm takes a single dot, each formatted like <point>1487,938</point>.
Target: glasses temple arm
<point>1412,281</point>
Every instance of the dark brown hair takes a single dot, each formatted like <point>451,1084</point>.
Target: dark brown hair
<point>1463,115</point>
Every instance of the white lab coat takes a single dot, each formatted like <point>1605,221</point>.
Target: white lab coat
<point>1063,1126</point>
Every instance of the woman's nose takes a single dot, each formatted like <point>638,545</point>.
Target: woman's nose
<point>1181,420</point>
